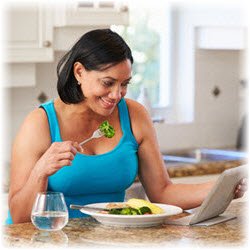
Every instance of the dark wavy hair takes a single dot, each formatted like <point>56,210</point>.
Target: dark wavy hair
<point>95,50</point>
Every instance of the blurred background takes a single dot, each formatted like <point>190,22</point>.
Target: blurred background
<point>190,67</point>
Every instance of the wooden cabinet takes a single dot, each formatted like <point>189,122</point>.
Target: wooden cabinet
<point>74,18</point>
<point>92,13</point>
<point>30,27</point>
<point>29,34</point>
<point>34,31</point>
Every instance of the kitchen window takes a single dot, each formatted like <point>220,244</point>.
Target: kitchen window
<point>148,35</point>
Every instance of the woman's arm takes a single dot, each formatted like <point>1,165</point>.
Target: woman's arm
<point>33,160</point>
<point>152,171</point>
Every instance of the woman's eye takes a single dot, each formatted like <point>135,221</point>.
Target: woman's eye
<point>125,84</point>
<point>110,83</point>
<point>107,83</point>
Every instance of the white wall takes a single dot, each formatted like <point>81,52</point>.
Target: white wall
<point>216,119</point>
<point>205,121</point>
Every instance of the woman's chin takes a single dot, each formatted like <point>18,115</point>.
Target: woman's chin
<point>106,112</point>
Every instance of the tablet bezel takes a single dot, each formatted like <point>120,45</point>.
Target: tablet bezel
<point>221,194</point>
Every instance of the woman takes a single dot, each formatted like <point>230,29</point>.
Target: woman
<point>92,82</point>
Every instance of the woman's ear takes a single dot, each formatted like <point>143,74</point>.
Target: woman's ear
<point>78,71</point>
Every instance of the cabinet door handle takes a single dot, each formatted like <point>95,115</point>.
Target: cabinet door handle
<point>47,44</point>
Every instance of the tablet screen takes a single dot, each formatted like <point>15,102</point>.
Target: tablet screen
<point>221,194</point>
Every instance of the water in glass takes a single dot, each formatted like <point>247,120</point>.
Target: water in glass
<point>49,211</point>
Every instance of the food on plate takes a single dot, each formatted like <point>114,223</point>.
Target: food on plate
<point>107,129</point>
<point>138,203</point>
<point>133,207</point>
<point>116,205</point>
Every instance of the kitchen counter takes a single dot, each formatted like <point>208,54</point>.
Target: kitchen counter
<point>89,233</point>
<point>203,168</point>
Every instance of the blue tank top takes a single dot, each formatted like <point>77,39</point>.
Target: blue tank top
<point>95,178</point>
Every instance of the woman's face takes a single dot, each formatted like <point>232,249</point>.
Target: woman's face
<point>104,89</point>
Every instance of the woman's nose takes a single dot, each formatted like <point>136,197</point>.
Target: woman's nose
<point>115,93</point>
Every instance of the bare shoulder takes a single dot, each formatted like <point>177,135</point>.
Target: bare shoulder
<point>140,120</point>
<point>35,121</point>
<point>34,133</point>
<point>136,109</point>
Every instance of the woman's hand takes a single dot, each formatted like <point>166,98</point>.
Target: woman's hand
<point>240,189</point>
<point>58,155</point>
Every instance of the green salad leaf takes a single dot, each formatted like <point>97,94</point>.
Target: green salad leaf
<point>130,211</point>
<point>145,210</point>
<point>107,129</point>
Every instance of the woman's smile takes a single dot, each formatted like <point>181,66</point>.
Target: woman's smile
<point>107,104</point>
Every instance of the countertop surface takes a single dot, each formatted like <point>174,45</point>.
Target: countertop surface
<point>89,233</point>
<point>203,168</point>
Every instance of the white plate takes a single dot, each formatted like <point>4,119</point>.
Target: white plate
<point>146,220</point>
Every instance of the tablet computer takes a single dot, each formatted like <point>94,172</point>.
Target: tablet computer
<point>217,200</point>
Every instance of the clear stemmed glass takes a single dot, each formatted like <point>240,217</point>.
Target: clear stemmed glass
<point>49,211</point>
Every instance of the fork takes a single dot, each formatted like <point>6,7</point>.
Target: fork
<point>97,134</point>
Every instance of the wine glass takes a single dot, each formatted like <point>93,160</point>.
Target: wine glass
<point>49,211</point>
